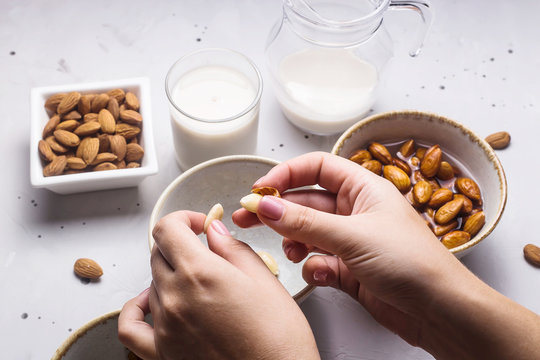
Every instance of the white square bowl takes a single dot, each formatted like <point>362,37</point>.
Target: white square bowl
<point>97,180</point>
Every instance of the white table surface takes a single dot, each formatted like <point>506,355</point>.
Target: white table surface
<point>480,66</point>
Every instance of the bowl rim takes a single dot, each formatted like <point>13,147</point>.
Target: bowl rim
<point>80,332</point>
<point>36,95</point>
<point>487,149</point>
<point>302,294</point>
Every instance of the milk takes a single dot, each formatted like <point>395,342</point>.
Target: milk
<point>210,99</point>
<point>325,90</point>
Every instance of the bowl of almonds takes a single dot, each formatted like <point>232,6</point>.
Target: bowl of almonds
<point>451,176</point>
<point>93,136</point>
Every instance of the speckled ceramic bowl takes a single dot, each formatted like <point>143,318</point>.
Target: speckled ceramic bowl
<point>96,340</point>
<point>460,143</point>
<point>226,180</point>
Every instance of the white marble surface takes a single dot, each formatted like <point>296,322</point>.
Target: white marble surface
<point>479,66</point>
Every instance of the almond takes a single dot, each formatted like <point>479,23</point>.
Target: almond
<point>56,166</point>
<point>474,223</point>
<point>360,156</point>
<point>266,190</point>
<point>132,102</point>
<point>415,161</point>
<point>498,140</point>
<point>215,213</point>
<point>398,177</point>
<point>52,102</point>
<point>127,131</point>
<point>68,125</point>
<point>440,197</point>
<point>66,138</point>
<point>90,117</point>
<point>469,188</point>
<point>55,145</point>
<point>75,163</point>
<point>85,104</point>
<point>104,157</point>
<point>113,108</point>
<point>134,152</point>
<point>87,268</point>
<point>50,126</point>
<point>104,143</point>
<point>446,171</point>
<point>72,115</point>
<point>467,204</point>
<point>131,117</point>
<point>120,164</point>
<point>402,165</point>
<point>133,165</point>
<point>107,122</point>
<point>448,211</point>
<point>420,152</point>
<point>118,146</point>
<point>99,102</point>
<point>374,166</point>
<point>68,102</point>
<point>532,254</point>
<point>105,166</point>
<point>422,191</point>
<point>88,149</point>
<point>431,162</point>
<point>440,230</point>
<point>88,128</point>
<point>455,238</point>
<point>117,94</point>
<point>380,152</point>
<point>407,149</point>
<point>45,151</point>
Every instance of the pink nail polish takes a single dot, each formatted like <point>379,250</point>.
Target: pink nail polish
<point>220,227</point>
<point>271,208</point>
<point>320,276</point>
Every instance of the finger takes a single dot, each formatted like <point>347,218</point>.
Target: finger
<point>162,272</point>
<point>326,270</point>
<point>176,237</point>
<point>133,331</point>
<point>236,252</point>
<point>316,199</point>
<point>294,250</point>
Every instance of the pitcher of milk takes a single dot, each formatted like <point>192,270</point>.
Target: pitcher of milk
<point>326,58</point>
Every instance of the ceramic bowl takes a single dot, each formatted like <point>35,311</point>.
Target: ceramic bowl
<point>98,180</point>
<point>458,142</point>
<point>226,180</point>
<point>96,340</point>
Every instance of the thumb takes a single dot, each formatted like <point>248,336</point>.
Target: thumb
<point>303,224</point>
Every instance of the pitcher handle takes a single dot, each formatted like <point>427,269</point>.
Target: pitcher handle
<point>422,7</point>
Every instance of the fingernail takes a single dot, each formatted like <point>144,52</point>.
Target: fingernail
<point>144,291</point>
<point>320,276</point>
<point>258,181</point>
<point>287,250</point>
<point>271,208</point>
<point>220,227</point>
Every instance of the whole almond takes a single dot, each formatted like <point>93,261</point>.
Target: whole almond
<point>131,101</point>
<point>118,146</point>
<point>360,156</point>
<point>66,138</point>
<point>52,102</point>
<point>56,166</point>
<point>104,157</point>
<point>474,223</point>
<point>106,120</point>
<point>131,117</point>
<point>117,94</point>
<point>88,149</point>
<point>402,165</point>
<point>398,177</point>
<point>68,125</point>
<point>440,197</point>
<point>120,164</point>
<point>99,102</point>
<point>498,140</point>
<point>127,131</point>
<point>467,204</point>
<point>380,152</point>
<point>105,166</point>
<point>374,166</point>
<point>87,268</point>
<point>420,152</point>
<point>72,115</point>
<point>88,128</point>
<point>532,254</point>
<point>440,230</point>
<point>50,126</point>
<point>422,192</point>
<point>431,162</point>
<point>455,238</point>
<point>134,152</point>
<point>133,165</point>
<point>448,211</point>
<point>68,102</point>
<point>85,105</point>
<point>90,117</point>
<point>446,171</point>
<point>45,151</point>
<point>407,149</point>
<point>469,188</point>
<point>75,163</point>
<point>55,145</point>
<point>104,143</point>
<point>113,108</point>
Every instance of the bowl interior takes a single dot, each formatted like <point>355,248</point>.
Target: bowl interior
<point>226,180</point>
<point>472,154</point>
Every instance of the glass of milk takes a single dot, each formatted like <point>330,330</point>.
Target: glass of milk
<point>214,97</point>
<point>326,58</point>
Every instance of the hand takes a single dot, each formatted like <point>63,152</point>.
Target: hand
<point>219,302</point>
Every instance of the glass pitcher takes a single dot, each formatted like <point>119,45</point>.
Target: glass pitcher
<point>326,58</point>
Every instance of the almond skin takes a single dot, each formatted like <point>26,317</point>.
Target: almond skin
<point>440,230</point>
<point>117,94</point>
<point>407,149</point>
<point>113,108</point>
<point>99,102</point>
<point>104,157</point>
<point>50,126</point>
<point>118,146</point>
<point>374,166</point>
<point>131,117</point>
<point>72,115</point>
<point>469,188</point>
<point>402,165</point>
<point>127,131</point>
<point>85,105</point>
<point>45,151</point>
<point>440,197</point>
<point>446,171</point>
<point>55,145</point>
<point>52,102</point>
<point>455,238</point>
<point>90,117</point>
<point>380,152</point>
<point>499,140</point>
<point>105,166</point>
<point>134,152</point>
<point>467,204</point>
<point>56,166</point>
<point>87,268</point>
<point>448,211</point>
<point>266,190</point>
<point>133,165</point>
<point>131,101</point>
<point>422,192</point>
<point>532,254</point>
<point>474,223</point>
<point>360,156</point>
<point>66,138</point>
<point>75,163</point>
<point>398,177</point>
<point>431,161</point>
<point>107,122</point>
<point>88,149</point>
<point>68,125</point>
<point>68,102</point>
<point>88,128</point>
